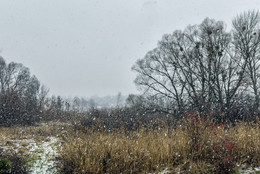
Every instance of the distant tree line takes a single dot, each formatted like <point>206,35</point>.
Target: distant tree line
<point>203,68</point>
<point>21,95</point>
<point>206,68</point>
<point>24,101</point>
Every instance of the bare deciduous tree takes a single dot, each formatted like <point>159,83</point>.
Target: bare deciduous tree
<point>247,41</point>
<point>20,100</point>
<point>205,67</point>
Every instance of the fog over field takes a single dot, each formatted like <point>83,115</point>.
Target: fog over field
<point>87,48</point>
<point>129,86</point>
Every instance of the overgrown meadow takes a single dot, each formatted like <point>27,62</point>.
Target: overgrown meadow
<point>199,112</point>
<point>194,144</point>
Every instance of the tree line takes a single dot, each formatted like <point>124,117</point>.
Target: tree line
<point>207,68</point>
<point>202,68</point>
<point>23,100</point>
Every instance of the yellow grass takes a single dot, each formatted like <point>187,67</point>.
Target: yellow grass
<point>201,147</point>
<point>189,148</point>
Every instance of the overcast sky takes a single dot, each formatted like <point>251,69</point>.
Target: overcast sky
<point>87,47</point>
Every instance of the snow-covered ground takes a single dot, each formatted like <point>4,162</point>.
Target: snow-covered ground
<point>45,157</point>
<point>41,154</point>
<point>243,169</point>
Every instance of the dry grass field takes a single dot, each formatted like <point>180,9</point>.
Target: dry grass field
<point>192,147</point>
<point>195,145</point>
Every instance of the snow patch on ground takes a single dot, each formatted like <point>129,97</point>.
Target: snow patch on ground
<point>164,171</point>
<point>243,169</point>
<point>45,157</point>
<point>41,153</point>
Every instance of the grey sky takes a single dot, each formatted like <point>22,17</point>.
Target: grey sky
<point>87,47</point>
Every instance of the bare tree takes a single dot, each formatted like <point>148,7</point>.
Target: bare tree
<point>247,42</point>
<point>204,67</point>
<point>19,94</point>
<point>159,76</point>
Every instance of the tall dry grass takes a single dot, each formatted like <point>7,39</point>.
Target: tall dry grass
<point>15,144</point>
<point>194,146</point>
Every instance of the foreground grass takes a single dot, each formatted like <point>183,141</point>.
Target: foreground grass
<point>196,145</point>
<point>192,147</point>
<point>30,149</point>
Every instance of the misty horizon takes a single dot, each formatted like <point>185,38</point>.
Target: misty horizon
<point>87,48</point>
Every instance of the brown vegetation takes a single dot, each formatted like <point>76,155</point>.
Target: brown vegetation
<point>194,146</point>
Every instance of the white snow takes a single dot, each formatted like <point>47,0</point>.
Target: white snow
<point>46,151</point>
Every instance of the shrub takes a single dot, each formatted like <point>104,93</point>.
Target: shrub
<point>5,166</point>
<point>12,163</point>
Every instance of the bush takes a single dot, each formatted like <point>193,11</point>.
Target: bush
<point>113,119</point>
<point>12,163</point>
<point>5,166</point>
